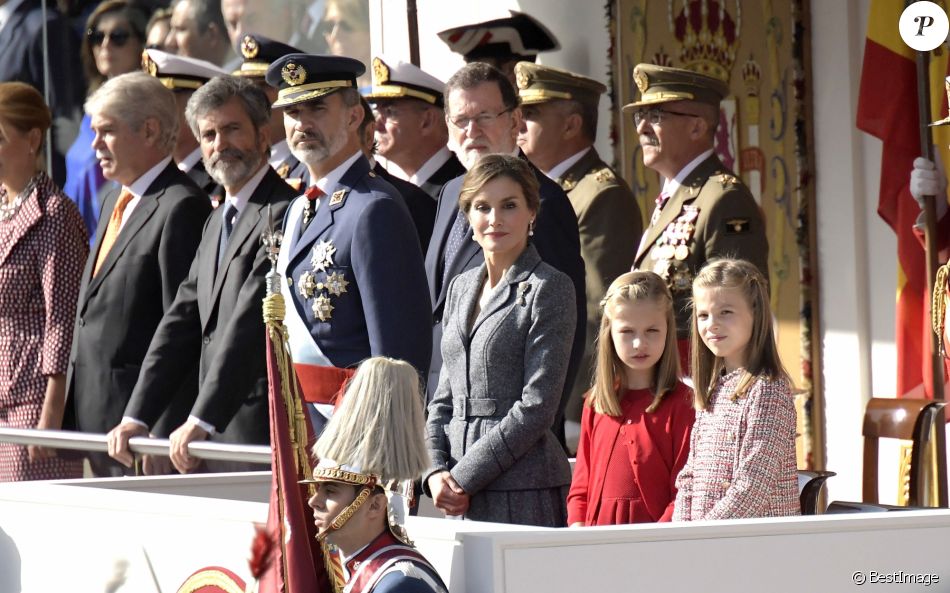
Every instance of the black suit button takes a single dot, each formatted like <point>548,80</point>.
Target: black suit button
<point>207,340</point>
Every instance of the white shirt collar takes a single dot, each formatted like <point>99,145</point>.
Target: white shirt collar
<point>279,153</point>
<point>671,185</point>
<point>240,200</point>
<point>429,168</point>
<point>189,162</point>
<point>561,168</point>
<point>141,185</point>
<point>332,179</point>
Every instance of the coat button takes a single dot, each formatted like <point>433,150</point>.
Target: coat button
<point>726,483</point>
<point>628,421</point>
<point>290,281</point>
<point>207,340</point>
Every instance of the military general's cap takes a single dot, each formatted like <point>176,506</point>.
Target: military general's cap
<point>179,73</point>
<point>540,84</point>
<point>662,84</point>
<point>515,36</point>
<point>258,52</point>
<point>213,579</point>
<point>402,80</point>
<point>305,77</point>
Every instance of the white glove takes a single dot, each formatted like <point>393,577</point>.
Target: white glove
<point>927,180</point>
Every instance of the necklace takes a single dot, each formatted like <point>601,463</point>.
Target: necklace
<point>9,209</point>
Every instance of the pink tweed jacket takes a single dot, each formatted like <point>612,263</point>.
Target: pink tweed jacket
<point>742,455</point>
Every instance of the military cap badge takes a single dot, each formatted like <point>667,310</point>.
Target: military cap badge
<point>250,47</point>
<point>380,72</point>
<point>522,78</point>
<point>293,74</point>
<point>148,64</point>
<point>641,79</point>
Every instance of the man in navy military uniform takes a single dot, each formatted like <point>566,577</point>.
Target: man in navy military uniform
<point>258,53</point>
<point>355,282</point>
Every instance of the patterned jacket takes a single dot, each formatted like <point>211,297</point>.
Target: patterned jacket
<point>742,455</point>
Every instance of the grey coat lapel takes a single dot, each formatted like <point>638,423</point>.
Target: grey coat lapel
<point>512,286</point>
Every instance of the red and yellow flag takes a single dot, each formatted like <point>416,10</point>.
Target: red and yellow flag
<point>887,109</point>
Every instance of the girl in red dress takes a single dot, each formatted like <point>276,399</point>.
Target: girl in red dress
<point>637,418</point>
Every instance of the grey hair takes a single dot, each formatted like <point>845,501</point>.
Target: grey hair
<point>134,97</point>
<point>221,89</point>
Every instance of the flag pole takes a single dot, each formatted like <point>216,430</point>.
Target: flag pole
<point>930,243</point>
<point>413,23</point>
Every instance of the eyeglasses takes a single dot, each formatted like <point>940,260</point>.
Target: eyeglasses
<point>482,120</point>
<point>118,38</point>
<point>655,115</point>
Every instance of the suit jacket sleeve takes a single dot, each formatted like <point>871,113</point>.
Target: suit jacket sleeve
<point>748,243</point>
<point>388,266</point>
<point>577,497</point>
<point>228,374</point>
<point>547,350</point>
<point>173,353</point>
<point>769,431</point>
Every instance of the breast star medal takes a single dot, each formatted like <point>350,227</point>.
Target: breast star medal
<point>307,285</point>
<point>322,256</point>
<point>322,309</point>
<point>336,284</point>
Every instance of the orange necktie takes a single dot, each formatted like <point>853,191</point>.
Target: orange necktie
<point>112,231</point>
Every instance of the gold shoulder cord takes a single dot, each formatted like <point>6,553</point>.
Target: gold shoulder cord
<point>938,307</point>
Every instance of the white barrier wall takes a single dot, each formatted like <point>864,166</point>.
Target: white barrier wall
<point>81,535</point>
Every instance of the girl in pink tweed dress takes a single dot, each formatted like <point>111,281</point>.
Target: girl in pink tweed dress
<point>742,450</point>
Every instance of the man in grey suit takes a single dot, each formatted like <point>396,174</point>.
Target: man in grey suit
<point>215,322</point>
<point>143,249</point>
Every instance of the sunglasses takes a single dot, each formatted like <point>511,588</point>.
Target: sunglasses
<point>118,38</point>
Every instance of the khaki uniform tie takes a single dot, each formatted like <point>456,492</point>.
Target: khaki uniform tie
<point>112,231</point>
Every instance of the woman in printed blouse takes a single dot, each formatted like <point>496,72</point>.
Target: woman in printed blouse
<point>43,248</point>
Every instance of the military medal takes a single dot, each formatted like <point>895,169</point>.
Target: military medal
<point>681,280</point>
<point>336,284</point>
<point>307,285</point>
<point>322,255</point>
<point>322,309</point>
<point>681,252</point>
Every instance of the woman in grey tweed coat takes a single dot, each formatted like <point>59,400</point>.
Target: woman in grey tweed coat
<point>507,336</point>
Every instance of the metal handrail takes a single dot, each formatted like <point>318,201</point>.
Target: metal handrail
<point>84,441</point>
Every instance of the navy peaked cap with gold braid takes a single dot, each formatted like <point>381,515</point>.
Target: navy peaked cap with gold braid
<point>304,77</point>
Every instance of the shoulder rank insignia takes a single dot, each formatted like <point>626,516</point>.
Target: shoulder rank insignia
<point>568,184</point>
<point>283,170</point>
<point>727,180</point>
<point>338,196</point>
<point>736,226</point>
<point>605,175</point>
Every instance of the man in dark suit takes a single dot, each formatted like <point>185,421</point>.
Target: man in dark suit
<point>215,323</point>
<point>484,117</point>
<point>421,206</point>
<point>411,131</point>
<point>142,252</point>
<point>21,59</point>
<point>355,281</point>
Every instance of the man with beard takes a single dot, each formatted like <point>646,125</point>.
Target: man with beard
<point>183,75</point>
<point>150,229</point>
<point>355,282</point>
<point>704,211</point>
<point>411,132</point>
<point>215,322</point>
<point>484,117</point>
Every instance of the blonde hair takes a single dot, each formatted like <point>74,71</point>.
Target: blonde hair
<point>379,428</point>
<point>609,369</point>
<point>761,353</point>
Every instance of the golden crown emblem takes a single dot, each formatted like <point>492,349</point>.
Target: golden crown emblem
<point>148,64</point>
<point>523,79</point>
<point>250,47</point>
<point>380,71</point>
<point>708,36</point>
<point>293,74</point>
<point>640,77</point>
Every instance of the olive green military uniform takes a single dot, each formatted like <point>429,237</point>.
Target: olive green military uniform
<point>711,215</point>
<point>607,213</point>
